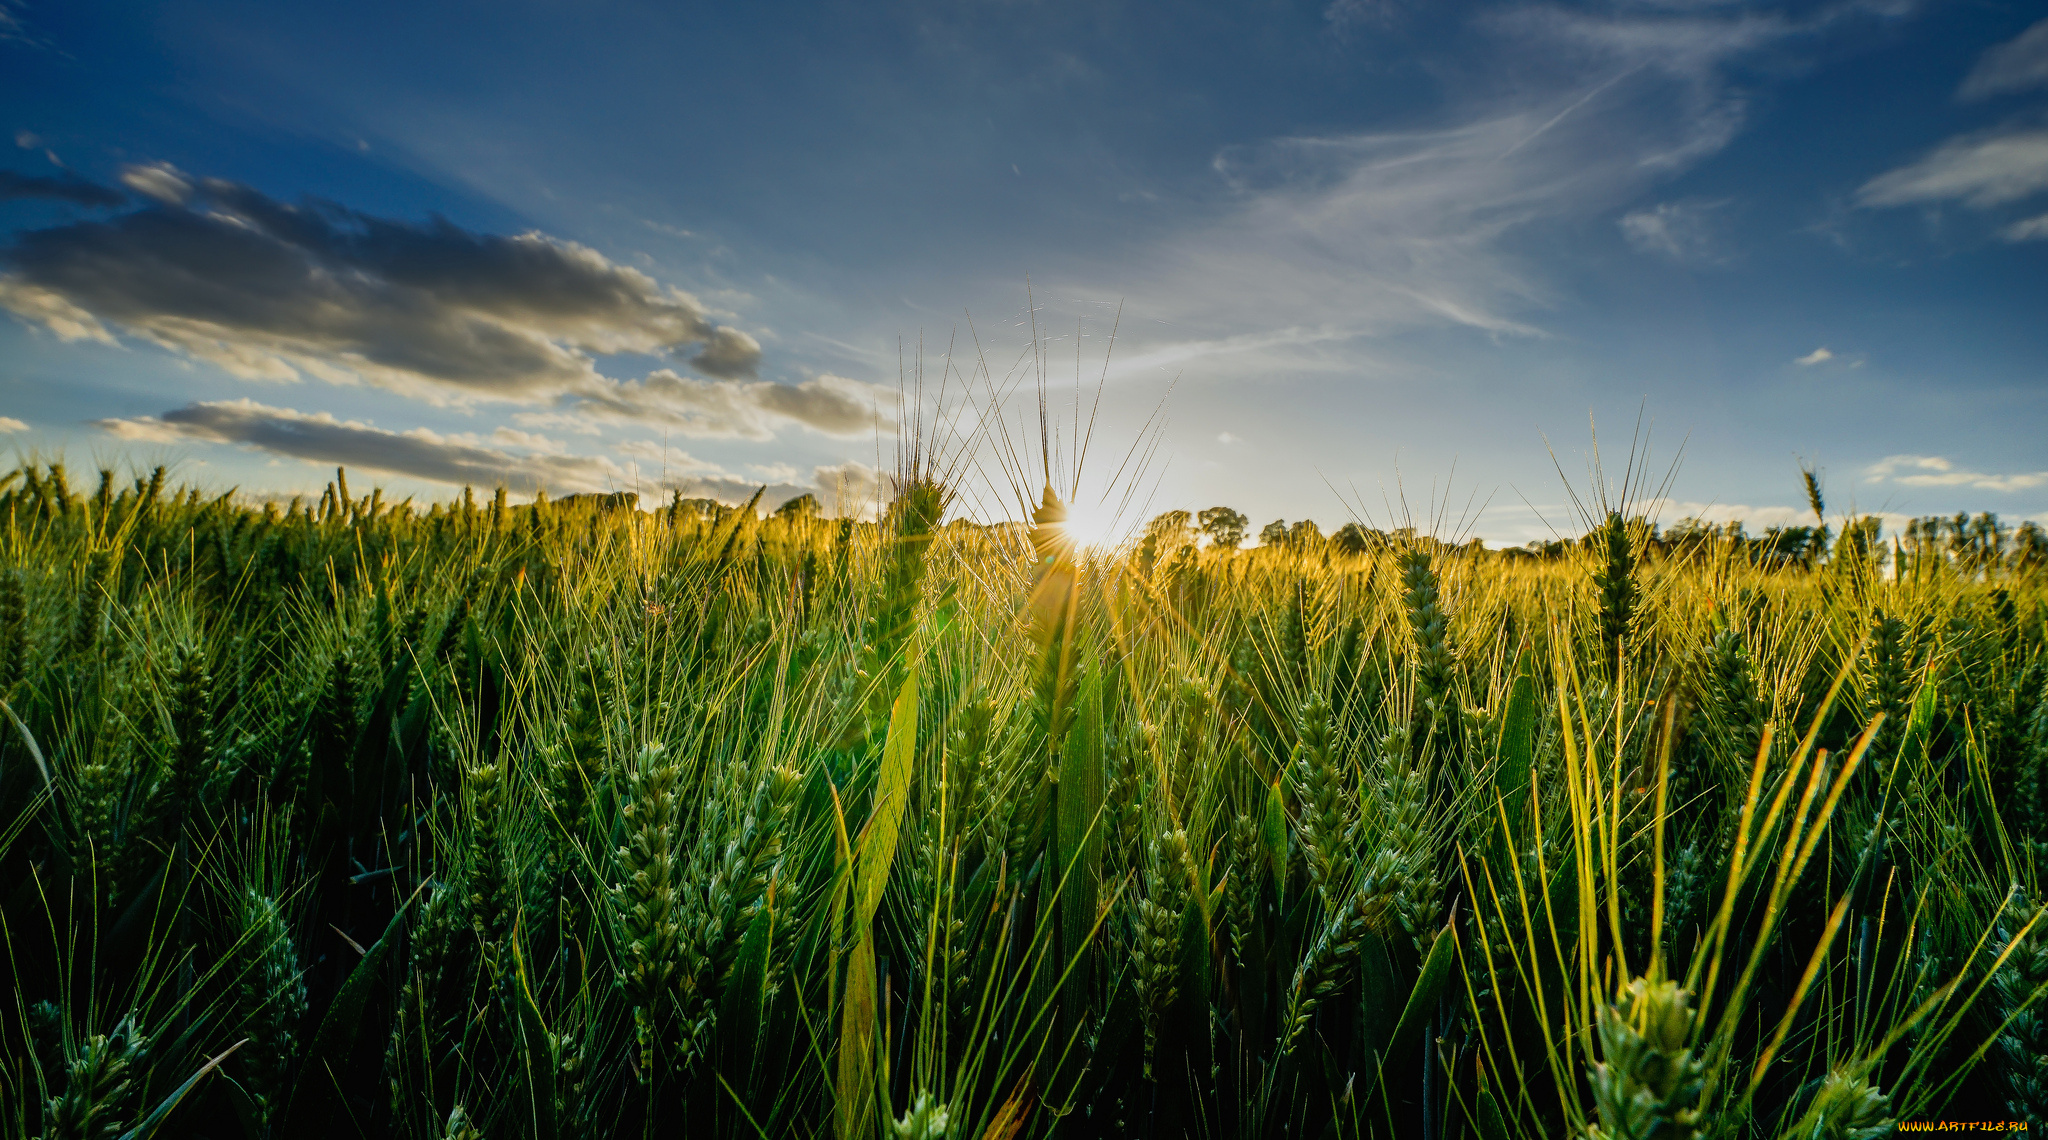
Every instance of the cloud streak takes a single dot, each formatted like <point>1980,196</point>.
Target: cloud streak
<point>70,188</point>
<point>1982,170</point>
<point>2018,65</point>
<point>739,409</point>
<point>418,454</point>
<point>524,462</point>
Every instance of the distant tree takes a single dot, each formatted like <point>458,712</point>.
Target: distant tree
<point>804,506</point>
<point>1691,538</point>
<point>2029,547</point>
<point>1224,527</point>
<point>1792,545</point>
<point>1305,535</point>
<point>679,507</point>
<point>1353,538</point>
<point>1274,534</point>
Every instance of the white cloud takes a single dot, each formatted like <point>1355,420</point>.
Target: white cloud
<point>1668,511</point>
<point>2017,65</point>
<point>1936,471</point>
<point>1984,169</point>
<point>10,424</point>
<point>1683,231</point>
<point>158,180</point>
<point>851,487</point>
<point>558,420</point>
<point>1815,357</point>
<point>666,460</point>
<point>1227,437</point>
<point>52,310</point>
<point>531,441</point>
<point>1755,519</point>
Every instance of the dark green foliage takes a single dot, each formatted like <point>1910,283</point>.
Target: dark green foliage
<point>270,996</point>
<point>14,644</point>
<point>191,755</point>
<point>1888,687</point>
<point>2022,985</point>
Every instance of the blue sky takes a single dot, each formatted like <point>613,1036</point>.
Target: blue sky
<point>1378,245</point>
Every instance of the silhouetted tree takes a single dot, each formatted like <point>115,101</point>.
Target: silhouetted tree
<point>1224,526</point>
<point>802,507</point>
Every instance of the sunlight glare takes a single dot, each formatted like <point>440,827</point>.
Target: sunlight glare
<point>1094,525</point>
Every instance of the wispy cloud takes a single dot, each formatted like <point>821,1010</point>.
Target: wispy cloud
<point>1817,356</point>
<point>1982,170</point>
<point>2028,229</point>
<point>13,29</point>
<point>1333,238</point>
<point>1935,471</point>
<point>1683,231</point>
<point>10,424</point>
<point>2017,65</point>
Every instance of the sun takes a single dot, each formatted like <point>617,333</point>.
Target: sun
<point>1094,525</point>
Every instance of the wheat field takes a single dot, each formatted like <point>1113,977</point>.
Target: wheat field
<point>572,819</point>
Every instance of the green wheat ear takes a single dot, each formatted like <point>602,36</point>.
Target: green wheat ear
<point>926,1119</point>
<point>1169,883</point>
<point>459,1127</point>
<point>1615,580</point>
<point>1648,1085</point>
<point>100,1086</point>
<point>270,992</point>
<point>1846,1107</point>
<point>1422,596</point>
<point>647,898</point>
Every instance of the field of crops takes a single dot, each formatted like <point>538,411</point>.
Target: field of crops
<point>567,820</point>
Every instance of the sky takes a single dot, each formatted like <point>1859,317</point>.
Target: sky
<point>1332,259</point>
